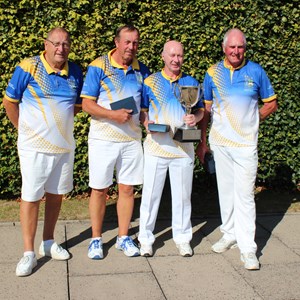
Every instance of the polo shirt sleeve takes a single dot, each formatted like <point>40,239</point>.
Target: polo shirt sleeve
<point>145,99</point>
<point>266,91</point>
<point>79,83</point>
<point>91,86</point>
<point>207,87</point>
<point>17,84</point>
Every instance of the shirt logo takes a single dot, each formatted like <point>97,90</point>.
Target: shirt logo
<point>139,77</point>
<point>248,83</point>
<point>72,83</point>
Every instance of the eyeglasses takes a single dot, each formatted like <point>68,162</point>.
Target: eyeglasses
<point>65,45</point>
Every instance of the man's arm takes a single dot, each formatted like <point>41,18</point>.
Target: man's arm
<point>267,109</point>
<point>202,147</point>
<point>119,116</point>
<point>144,119</point>
<point>77,109</point>
<point>12,111</point>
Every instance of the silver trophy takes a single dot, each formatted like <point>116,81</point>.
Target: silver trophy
<point>188,96</point>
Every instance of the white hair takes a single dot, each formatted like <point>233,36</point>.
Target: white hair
<point>232,30</point>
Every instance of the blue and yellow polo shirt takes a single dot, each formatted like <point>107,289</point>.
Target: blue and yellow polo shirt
<point>234,95</point>
<point>107,82</point>
<point>46,104</point>
<point>163,106</point>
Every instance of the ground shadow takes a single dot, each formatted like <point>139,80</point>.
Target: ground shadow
<point>110,223</point>
<point>205,208</point>
<point>274,200</point>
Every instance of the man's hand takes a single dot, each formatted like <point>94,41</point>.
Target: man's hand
<point>190,120</point>
<point>201,150</point>
<point>120,116</point>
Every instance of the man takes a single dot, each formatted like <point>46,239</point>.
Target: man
<point>115,135</point>
<point>231,91</point>
<point>163,153</point>
<point>40,101</point>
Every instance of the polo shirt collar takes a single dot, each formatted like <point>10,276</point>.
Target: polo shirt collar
<point>63,72</point>
<point>228,66</point>
<point>169,78</point>
<point>135,64</point>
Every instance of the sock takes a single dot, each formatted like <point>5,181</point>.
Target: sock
<point>96,238</point>
<point>48,243</point>
<point>29,253</point>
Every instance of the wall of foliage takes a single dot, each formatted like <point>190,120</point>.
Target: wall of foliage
<point>271,27</point>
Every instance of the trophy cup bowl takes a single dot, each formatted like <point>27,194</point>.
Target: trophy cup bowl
<point>188,96</point>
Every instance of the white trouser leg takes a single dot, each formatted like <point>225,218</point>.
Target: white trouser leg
<point>181,179</point>
<point>236,172</point>
<point>155,170</point>
<point>245,169</point>
<point>225,182</point>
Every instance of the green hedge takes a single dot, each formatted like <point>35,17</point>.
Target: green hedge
<point>271,27</point>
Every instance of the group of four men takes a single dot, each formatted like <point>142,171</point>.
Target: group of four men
<point>45,92</point>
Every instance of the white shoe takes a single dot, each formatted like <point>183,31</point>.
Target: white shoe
<point>127,245</point>
<point>55,251</point>
<point>95,249</point>
<point>146,250</point>
<point>250,261</point>
<point>223,245</point>
<point>26,265</point>
<point>185,249</point>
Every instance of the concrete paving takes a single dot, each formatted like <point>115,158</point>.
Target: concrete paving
<point>166,275</point>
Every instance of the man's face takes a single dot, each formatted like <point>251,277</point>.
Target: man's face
<point>127,45</point>
<point>57,48</point>
<point>235,49</point>
<point>173,57</point>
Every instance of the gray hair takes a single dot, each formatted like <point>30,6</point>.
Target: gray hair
<point>61,29</point>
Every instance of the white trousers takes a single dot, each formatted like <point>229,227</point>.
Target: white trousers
<point>236,173</point>
<point>181,178</point>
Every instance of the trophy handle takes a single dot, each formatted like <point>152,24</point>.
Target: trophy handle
<point>186,96</point>
<point>177,92</point>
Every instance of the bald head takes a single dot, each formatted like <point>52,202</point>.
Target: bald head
<point>172,56</point>
<point>173,44</point>
<point>234,32</point>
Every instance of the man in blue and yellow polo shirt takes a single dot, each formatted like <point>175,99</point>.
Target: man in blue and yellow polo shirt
<point>115,135</point>
<point>232,89</point>
<point>160,104</point>
<point>41,100</point>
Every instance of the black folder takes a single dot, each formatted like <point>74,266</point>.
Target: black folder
<point>127,103</point>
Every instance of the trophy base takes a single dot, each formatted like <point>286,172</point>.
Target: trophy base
<point>158,127</point>
<point>184,135</point>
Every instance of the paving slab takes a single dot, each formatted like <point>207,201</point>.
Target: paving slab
<point>200,277</point>
<point>284,227</point>
<point>116,286</point>
<point>48,281</point>
<point>166,275</point>
<point>275,281</point>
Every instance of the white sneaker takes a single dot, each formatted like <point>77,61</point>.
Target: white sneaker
<point>223,245</point>
<point>55,251</point>
<point>127,245</point>
<point>26,265</point>
<point>146,250</point>
<point>95,249</point>
<point>185,249</point>
<point>250,261</point>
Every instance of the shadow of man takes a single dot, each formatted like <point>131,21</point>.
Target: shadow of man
<point>272,203</point>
